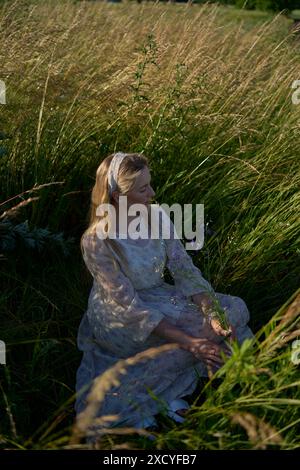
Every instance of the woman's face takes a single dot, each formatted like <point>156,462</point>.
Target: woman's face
<point>142,193</point>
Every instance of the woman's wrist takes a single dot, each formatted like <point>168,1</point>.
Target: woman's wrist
<point>207,305</point>
<point>168,331</point>
<point>204,302</point>
<point>211,309</point>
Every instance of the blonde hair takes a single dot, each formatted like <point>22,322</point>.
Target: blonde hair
<point>130,168</point>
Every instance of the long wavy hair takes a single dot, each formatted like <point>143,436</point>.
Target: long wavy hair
<point>130,168</point>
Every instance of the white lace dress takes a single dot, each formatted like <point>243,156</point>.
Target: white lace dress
<point>128,300</point>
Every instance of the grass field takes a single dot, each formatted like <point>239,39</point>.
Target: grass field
<point>206,93</point>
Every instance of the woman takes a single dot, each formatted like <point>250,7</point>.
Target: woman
<point>131,308</point>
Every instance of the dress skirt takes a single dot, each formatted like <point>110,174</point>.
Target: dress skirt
<point>148,386</point>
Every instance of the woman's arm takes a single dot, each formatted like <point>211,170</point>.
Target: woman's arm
<point>203,301</point>
<point>187,277</point>
<point>131,319</point>
<point>168,331</point>
<point>218,324</point>
<point>201,348</point>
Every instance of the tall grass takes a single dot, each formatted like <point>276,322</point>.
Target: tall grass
<point>205,92</point>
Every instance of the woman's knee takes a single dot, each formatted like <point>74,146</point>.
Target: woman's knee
<point>235,309</point>
<point>240,311</point>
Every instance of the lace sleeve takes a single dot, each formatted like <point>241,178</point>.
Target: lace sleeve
<point>187,277</point>
<point>116,289</point>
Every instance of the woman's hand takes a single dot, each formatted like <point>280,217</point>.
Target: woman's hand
<point>205,350</point>
<point>208,307</point>
<point>218,329</point>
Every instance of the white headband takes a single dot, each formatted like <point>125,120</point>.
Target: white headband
<point>113,170</point>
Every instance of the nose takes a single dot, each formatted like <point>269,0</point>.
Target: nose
<point>152,192</point>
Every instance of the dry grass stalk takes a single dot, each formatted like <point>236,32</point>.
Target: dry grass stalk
<point>282,341</point>
<point>276,339</point>
<point>292,312</point>
<point>35,188</point>
<point>14,212</point>
<point>260,434</point>
<point>102,384</point>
